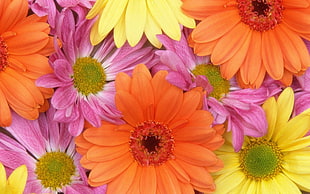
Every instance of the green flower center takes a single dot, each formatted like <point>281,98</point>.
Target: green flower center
<point>88,76</point>
<point>3,54</point>
<point>55,170</point>
<point>261,159</point>
<point>220,85</point>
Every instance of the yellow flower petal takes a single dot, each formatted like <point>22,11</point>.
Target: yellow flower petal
<point>95,37</point>
<point>151,30</point>
<point>96,9</point>
<point>270,108</point>
<point>181,17</point>
<point>17,180</point>
<point>135,20</point>
<point>290,187</point>
<point>297,162</point>
<point>285,185</point>
<point>285,106</point>
<point>119,32</point>
<point>110,16</point>
<point>237,177</point>
<point>2,178</point>
<point>296,145</point>
<point>163,15</point>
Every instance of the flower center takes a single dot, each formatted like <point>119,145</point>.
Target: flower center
<point>220,85</point>
<point>151,143</point>
<point>3,54</point>
<point>261,159</point>
<point>55,169</point>
<point>261,15</point>
<point>88,76</point>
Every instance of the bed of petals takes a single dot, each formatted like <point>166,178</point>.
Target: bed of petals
<point>150,97</point>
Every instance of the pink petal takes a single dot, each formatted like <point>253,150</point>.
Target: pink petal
<point>64,97</point>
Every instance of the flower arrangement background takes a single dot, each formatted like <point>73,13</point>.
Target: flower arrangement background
<point>166,96</point>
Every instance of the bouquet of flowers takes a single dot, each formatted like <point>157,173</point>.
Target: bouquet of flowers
<point>154,97</point>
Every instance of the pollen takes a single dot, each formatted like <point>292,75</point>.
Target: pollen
<point>3,54</point>
<point>88,76</point>
<point>55,169</point>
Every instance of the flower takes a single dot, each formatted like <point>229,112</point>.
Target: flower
<point>16,181</point>
<point>129,19</point>
<point>48,151</point>
<point>24,45</point>
<point>227,102</point>
<point>277,162</point>
<point>252,37</point>
<point>165,146</point>
<point>84,75</point>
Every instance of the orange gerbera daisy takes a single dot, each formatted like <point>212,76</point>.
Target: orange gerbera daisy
<point>252,37</point>
<point>165,146</point>
<point>24,45</point>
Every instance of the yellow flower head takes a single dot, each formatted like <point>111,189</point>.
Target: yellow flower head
<point>15,184</point>
<point>275,163</point>
<point>130,18</point>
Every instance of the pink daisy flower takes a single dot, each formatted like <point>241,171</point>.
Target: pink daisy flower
<point>224,99</point>
<point>84,75</point>
<point>48,151</point>
<point>50,8</point>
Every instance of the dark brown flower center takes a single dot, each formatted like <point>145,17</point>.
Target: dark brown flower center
<point>3,54</point>
<point>260,15</point>
<point>151,143</point>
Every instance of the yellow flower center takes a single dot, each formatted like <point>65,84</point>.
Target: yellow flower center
<point>3,54</point>
<point>88,76</point>
<point>212,72</point>
<point>261,159</point>
<point>261,15</point>
<point>55,169</point>
<point>151,143</point>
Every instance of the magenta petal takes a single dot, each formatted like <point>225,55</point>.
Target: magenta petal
<point>89,114</point>
<point>13,159</point>
<point>237,133</point>
<point>63,70</point>
<point>75,127</point>
<point>302,102</point>
<point>78,188</point>
<point>177,79</point>
<point>64,97</point>
<point>69,114</point>
<point>49,81</point>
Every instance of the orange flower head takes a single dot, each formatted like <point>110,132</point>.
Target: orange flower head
<point>165,145</point>
<point>24,45</point>
<point>252,38</point>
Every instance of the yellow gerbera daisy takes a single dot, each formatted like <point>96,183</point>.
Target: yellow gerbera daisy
<point>275,163</point>
<point>130,18</point>
<point>16,182</point>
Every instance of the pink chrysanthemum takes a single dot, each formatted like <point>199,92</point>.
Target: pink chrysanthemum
<point>50,8</point>
<point>48,151</point>
<point>240,107</point>
<point>84,75</point>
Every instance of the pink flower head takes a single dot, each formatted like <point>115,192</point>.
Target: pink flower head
<point>225,100</point>
<point>50,8</point>
<point>84,75</point>
<point>48,151</point>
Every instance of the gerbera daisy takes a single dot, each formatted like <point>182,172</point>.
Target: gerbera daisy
<point>224,99</point>
<point>24,45</point>
<point>275,163</point>
<point>48,151</point>
<point>84,75</point>
<point>129,19</point>
<point>165,146</point>
<point>252,37</point>
<point>16,181</point>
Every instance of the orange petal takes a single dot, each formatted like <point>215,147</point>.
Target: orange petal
<point>106,171</point>
<point>122,82</point>
<point>104,153</point>
<point>177,170</point>
<point>194,154</point>
<point>130,107</point>
<point>160,85</point>
<point>296,3</point>
<point>186,188</point>
<point>5,113</point>
<point>135,186</point>
<point>252,63</point>
<point>169,105</point>
<point>230,43</point>
<point>204,49</point>
<point>27,114</point>
<point>148,181</point>
<point>122,183</point>
<point>167,182</point>
<point>287,78</point>
<point>106,135</point>
<point>82,145</point>
<point>191,100</point>
<point>200,9</point>
<point>215,26</point>
<point>200,177</point>
<point>87,164</point>
<point>272,55</point>
<point>297,19</point>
